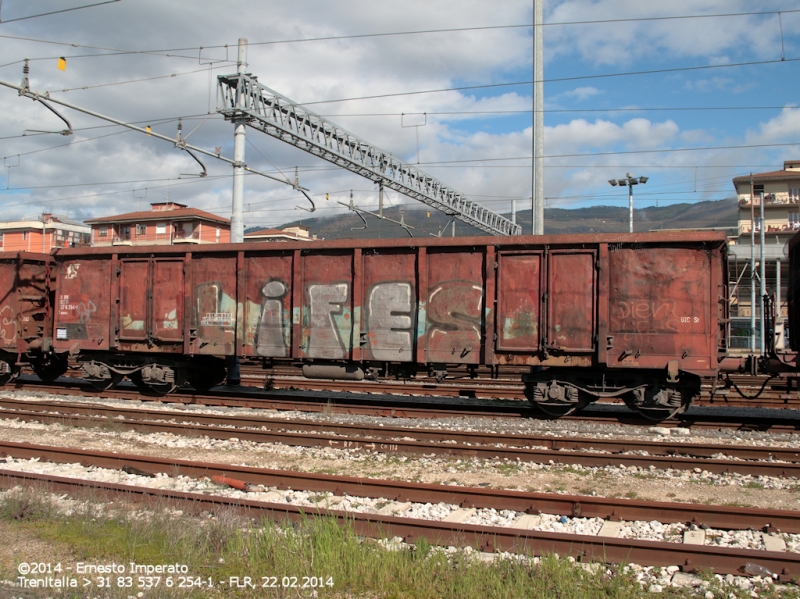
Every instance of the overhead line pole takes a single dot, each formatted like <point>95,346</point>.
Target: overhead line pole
<point>537,134</point>
<point>237,209</point>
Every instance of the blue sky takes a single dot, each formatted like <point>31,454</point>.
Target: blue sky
<point>605,125</point>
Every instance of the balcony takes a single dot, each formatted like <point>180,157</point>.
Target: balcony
<point>183,236</point>
<point>771,199</point>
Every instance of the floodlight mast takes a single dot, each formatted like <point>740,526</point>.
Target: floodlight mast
<point>241,97</point>
<point>629,181</point>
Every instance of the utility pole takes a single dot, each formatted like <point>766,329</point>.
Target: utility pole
<point>237,223</point>
<point>537,190</point>
<point>752,271</point>
<point>763,273</point>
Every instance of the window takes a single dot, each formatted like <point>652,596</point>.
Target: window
<point>141,229</point>
<point>794,195</point>
<point>124,232</point>
<point>24,235</point>
<point>161,228</point>
<point>794,219</point>
<point>102,231</point>
<point>1,240</point>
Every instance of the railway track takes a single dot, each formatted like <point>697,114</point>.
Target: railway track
<point>520,537</point>
<point>507,387</point>
<point>416,407</point>
<point>588,452</point>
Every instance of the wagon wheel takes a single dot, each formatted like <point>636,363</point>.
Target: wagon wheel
<point>556,408</point>
<point>13,372</point>
<point>50,368</point>
<point>660,402</point>
<point>106,384</point>
<point>151,388</point>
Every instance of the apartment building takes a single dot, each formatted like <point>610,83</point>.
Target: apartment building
<point>42,234</point>
<point>166,223</point>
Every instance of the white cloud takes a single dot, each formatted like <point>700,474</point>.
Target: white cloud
<point>579,93</point>
<point>712,39</point>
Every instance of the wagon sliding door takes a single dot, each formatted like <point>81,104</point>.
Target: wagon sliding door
<point>133,279</point>
<point>571,285</point>
<point>151,300</point>
<point>519,297</point>
<point>167,300</point>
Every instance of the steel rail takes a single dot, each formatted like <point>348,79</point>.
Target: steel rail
<point>396,406</point>
<point>364,436</point>
<point>689,557</point>
<point>400,446</point>
<point>725,517</point>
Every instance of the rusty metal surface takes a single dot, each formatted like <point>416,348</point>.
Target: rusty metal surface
<point>521,241</point>
<point>660,307</point>
<point>25,310</point>
<point>464,301</point>
<point>83,304</point>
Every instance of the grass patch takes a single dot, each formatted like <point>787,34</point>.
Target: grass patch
<point>509,469</point>
<point>753,485</point>
<point>227,545</point>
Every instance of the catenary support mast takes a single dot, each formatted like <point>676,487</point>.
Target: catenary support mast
<point>241,98</point>
<point>537,191</point>
<point>237,212</point>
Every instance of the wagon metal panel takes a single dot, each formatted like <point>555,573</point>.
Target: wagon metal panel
<point>83,304</point>
<point>660,302</point>
<point>25,311</point>
<point>268,308</point>
<point>390,306</point>
<point>571,283</point>
<point>166,313</point>
<point>327,312</point>
<point>8,308</point>
<point>454,312</point>
<point>133,285</point>
<point>519,297</point>
<point>214,304</point>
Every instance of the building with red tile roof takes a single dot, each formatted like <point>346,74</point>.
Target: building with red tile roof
<point>165,223</point>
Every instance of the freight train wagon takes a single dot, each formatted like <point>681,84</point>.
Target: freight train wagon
<point>641,317</point>
<point>26,316</point>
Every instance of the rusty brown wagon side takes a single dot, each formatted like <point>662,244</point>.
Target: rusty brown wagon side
<point>26,316</point>
<point>641,316</point>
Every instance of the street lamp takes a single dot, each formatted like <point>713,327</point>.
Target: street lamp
<point>629,182</point>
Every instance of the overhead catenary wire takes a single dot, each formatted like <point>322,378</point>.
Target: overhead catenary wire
<point>414,32</point>
<point>57,12</point>
<point>112,83</point>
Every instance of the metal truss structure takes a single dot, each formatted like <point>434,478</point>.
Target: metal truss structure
<point>241,98</point>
